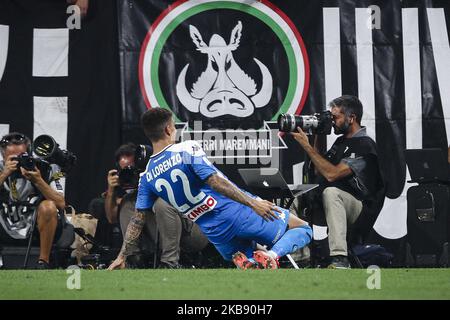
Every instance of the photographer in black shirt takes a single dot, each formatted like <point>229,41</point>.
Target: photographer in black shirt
<point>351,187</point>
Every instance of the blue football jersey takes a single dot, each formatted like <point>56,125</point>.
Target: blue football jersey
<point>177,174</point>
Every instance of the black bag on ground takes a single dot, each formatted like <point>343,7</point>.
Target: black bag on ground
<point>428,224</point>
<point>373,254</point>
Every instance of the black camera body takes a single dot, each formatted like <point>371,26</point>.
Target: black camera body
<point>128,177</point>
<point>318,123</point>
<point>25,161</point>
<point>28,162</point>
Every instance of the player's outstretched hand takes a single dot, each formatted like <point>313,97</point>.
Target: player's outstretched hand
<point>119,263</point>
<point>266,209</point>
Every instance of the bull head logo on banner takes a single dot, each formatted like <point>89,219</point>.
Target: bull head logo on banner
<point>223,88</point>
<point>230,65</point>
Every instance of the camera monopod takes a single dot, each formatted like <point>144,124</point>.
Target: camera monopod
<point>33,225</point>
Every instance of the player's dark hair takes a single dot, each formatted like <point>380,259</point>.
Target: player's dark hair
<point>349,105</point>
<point>154,121</point>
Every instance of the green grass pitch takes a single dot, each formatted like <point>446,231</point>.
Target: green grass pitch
<point>218,284</point>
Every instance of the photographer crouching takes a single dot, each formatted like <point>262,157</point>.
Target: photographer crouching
<point>165,223</point>
<point>351,190</point>
<point>25,181</point>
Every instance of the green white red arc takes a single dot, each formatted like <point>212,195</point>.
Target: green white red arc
<point>264,10</point>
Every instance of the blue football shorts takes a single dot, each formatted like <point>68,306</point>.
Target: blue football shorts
<point>254,229</point>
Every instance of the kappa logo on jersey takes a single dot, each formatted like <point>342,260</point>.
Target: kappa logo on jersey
<point>207,205</point>
<point>282,216</point>
<point>4,35</point>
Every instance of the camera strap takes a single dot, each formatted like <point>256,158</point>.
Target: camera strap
<point>13,189</point>
<point>19,189</point>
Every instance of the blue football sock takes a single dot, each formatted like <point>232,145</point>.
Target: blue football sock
<point>293,240</point>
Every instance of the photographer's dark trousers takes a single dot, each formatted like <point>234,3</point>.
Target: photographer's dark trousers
<point>173,233</point>
<point>106,234</point>
<point>341,210</point>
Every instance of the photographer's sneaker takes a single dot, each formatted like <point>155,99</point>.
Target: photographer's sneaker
<point>265,260</point>
<point>42,265</point>
<point>339,262</point>
<point>241,261</point>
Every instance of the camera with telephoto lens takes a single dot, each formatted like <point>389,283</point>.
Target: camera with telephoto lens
<point>46,148</point>
<point>129,175</point>
<point>318,123</point>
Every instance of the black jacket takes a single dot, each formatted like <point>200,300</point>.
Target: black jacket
<point>366,181</point>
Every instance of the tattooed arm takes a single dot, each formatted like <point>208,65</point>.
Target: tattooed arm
<point>133,233</point>
<point>132,236</point>
<point>262,207</point>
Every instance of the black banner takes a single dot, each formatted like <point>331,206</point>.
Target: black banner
<point>226,68</point>
<point>63,82</point>
<point>289,56</point>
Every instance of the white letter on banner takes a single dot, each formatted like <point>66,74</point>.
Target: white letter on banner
<point>389,225</point>
<point>4,42</point>
<point>50,117</point>
<point>366,85</point>
<point>50,52</point>
<point>332,59</point>
<point>441,53</point>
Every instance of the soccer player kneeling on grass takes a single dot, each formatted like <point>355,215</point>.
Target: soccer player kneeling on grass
<point>231,218</point>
